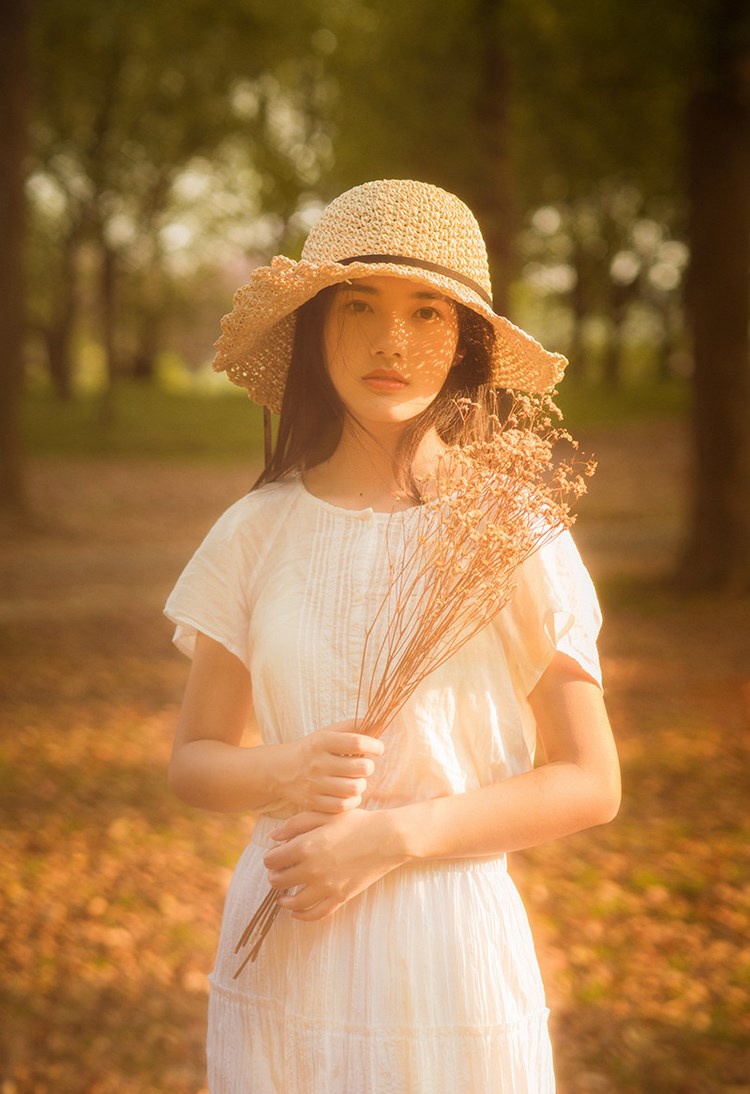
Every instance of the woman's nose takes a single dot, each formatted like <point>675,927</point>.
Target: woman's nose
<point>390,338</point>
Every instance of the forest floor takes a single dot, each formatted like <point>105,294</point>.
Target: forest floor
<point>111,890</point>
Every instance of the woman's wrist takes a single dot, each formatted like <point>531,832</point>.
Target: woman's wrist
<point>399,834</point>
<point>282,770</point>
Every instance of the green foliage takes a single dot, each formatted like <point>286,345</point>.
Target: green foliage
<point>517,104</point>
<point>261,101</point>
<point>135,83</point>
<point>596,93</point>
<point>600,93</point>
<point>585,405</point>
<point>406,91</point>
<point>130,97</point>
<point>149,423</point>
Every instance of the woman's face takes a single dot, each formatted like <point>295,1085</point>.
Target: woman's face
<point>389,345</point>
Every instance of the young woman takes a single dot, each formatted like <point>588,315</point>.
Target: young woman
<point>402,959</point>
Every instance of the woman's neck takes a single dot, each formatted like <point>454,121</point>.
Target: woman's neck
<point>361,472</point>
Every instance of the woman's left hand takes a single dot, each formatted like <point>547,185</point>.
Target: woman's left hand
<point>329,858</point>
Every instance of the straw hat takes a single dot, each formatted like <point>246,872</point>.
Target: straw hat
<point>391,228</point>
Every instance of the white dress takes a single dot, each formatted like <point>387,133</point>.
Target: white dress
<point>427,982</point>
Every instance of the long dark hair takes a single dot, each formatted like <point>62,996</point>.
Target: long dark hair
<point>313,416</point>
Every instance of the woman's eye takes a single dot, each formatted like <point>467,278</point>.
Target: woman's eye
<point>428,313</point>
<point>357,306</point>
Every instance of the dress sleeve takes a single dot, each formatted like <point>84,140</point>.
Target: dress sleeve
<point>554,607</point>
<point>212,593</point>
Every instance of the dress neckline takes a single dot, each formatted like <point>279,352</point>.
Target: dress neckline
<point>367,514</point>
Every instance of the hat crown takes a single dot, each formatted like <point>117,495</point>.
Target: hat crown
<point>405,218</point>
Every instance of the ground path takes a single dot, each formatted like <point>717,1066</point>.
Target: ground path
<point>120,529</point>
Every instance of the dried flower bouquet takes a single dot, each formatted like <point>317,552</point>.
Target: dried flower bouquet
<point>489,506</point>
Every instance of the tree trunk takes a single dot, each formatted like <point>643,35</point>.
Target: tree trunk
<point>107,286</point>
<point>57,340</point>
<point>718,549</point>
<point>619,298</point>
<point>670,320</point>
<point>577,350</point>
<point>491,195</point>
<point>60,330</point>
<point>13,103</point>
<point>147,348</point>
<point>612,361</point>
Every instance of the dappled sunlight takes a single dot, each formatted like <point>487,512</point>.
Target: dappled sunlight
<point>390,344</point>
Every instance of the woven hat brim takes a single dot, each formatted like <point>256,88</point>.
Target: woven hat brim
<point>255,345</point>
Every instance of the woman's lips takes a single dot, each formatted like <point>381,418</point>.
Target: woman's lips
<point>385,380</point>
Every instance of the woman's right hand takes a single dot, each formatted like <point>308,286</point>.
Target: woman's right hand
<point>327,771</point>
<point>323,772</point>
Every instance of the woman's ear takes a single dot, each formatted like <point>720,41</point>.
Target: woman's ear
<point>457,358</point>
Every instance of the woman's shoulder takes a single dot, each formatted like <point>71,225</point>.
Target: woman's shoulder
<point>258,508</point>
<point>553,606</point>
<point>554,547</point>
<point>250,527</point>
<point>554,574</point>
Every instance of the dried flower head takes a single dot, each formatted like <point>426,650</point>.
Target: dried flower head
<point>489,505</point>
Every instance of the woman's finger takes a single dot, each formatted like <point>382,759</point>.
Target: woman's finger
<point>343,788</point>
<point>286,878</point>
<point>336,805</point>
<point>342,743</point>
<point>297,825</point>
<point>350,767</point>
<point>323,908</point>
<point>306,898</point>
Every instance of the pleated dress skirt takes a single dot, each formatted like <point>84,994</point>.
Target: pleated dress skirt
<point>425,983</point>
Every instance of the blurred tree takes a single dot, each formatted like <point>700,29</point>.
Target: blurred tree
<point>598,110</point>
<point>13,144</point>
<point>603,104</point>
<point>610,103</point>
<point>605,261</point>
<point>423,97</point>
<point>718,179</point>
<point>593,101</point>
<point>54,238</point>
<point>129,94</point>
<point>516,104</point>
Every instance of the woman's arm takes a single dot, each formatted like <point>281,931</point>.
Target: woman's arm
<point>578,787</point>
<point>325,771</point>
